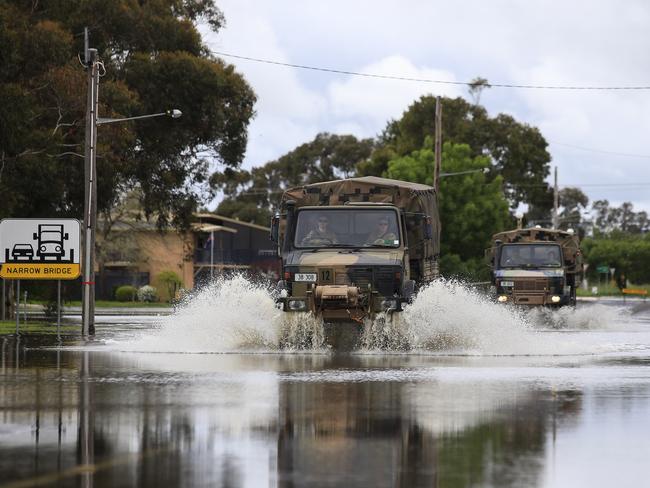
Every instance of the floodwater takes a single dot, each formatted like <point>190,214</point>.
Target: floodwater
<point>463,393</point>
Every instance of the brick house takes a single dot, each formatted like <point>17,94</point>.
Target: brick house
<point>137,253</point>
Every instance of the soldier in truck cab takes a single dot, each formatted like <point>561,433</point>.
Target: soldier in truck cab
<point>381,234</point>
<point>514,256</point>
<point>321,235</point>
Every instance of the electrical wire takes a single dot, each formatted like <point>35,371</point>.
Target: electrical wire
<point>614,153</point>
<point>427,80</point>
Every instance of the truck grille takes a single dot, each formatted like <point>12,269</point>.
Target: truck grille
<point>552,285</point>
<point>382,279</point>
<point>532,285</point>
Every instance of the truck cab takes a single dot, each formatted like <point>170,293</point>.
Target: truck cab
<point>535,267</point>
<point>350,258</point>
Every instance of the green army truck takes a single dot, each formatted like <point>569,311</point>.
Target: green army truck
<point>535,266</point>
<point>354,248</point>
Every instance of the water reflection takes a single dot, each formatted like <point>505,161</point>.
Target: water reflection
<point>92,418</point>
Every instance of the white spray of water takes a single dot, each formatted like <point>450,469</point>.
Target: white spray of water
<point>592,317</point>
<point>230,314</point>
<point>449,316</point>
<point>237,315</point>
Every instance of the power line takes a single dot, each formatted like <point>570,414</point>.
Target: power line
<point>614,153</point>
<point>609,184</point>
<point>428,80</point>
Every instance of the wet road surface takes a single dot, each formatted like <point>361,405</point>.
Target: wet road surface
<point>98,415</point>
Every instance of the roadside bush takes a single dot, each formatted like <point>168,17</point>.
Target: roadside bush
<point>126,293</point>
<point>147,293</point>
<point>172,281</point>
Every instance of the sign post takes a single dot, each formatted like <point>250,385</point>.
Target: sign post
<point>39,249</point>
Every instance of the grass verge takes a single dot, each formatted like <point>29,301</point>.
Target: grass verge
<point>110,304</point>
<point>609,290</point>
<point>9,327</point>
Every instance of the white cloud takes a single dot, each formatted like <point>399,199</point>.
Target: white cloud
<point>372,102</point>
<point>533,42</point>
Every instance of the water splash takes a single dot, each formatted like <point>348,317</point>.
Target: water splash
<point>591,317</point>
<point>229,314</point>
<point>449,316</point>
<point>299,332</point>
<point>235,314</point>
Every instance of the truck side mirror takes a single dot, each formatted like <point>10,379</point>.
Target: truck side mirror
<point>65,236</point>
<point>427,228</point>
<point>275,228</point>
<point>35,236</point>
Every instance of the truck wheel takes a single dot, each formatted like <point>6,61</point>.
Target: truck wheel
<point>408,290</point>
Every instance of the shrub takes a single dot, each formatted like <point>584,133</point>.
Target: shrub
<point>147,293</point>
<point>172,281</point>
<point>126,293</point>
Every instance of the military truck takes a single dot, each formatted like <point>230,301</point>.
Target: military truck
<point>353,248</point>
<point>535,266</point>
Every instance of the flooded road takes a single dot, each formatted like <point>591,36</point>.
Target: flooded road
<point>561,401</point>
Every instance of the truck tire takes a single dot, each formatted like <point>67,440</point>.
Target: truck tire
<point>408,291</point>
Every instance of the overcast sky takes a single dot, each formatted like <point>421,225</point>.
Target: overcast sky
<point>586,43</point>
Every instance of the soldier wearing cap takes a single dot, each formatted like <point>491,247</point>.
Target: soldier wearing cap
<point>381,234</point>
<point>321,235</point>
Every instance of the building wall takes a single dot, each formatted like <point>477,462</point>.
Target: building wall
<point>167,251</point>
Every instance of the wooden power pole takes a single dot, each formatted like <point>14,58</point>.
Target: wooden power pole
<point>438,145</point>
<point>556,203</point>
<point>90,195</point>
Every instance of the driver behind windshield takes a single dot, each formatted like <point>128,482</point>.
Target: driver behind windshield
<point>551,259</point>
<point>381,235</point>
<point>321,235</point>
<point>514,257</point>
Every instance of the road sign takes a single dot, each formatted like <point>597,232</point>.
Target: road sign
<point>40,249</point>
<point>602,269</point>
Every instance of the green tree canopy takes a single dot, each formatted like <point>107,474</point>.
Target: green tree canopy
<point>629,254</point>
<point>516,151</point>
<point>154,59</point>
<point>253,195</point>
<point>607,219</point>
<point>472,207</point>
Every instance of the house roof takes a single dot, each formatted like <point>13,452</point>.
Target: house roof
<point>204,219</point>
<point>212,228</point>
<point>212,217</point>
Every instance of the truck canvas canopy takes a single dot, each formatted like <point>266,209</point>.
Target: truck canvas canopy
<point>415,199</point>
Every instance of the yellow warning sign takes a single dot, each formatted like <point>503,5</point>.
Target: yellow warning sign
<point>40,271</point>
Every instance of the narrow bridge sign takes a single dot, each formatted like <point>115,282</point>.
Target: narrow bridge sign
<point>40,249</point>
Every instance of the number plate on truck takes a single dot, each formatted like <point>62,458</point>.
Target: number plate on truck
<point>507,283</point>
<point>310,277</point>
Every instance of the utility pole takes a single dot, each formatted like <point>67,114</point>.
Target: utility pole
<point>93,67</point>
<point>556,202</point>
<point>90,193</point>
<point>437,146</point>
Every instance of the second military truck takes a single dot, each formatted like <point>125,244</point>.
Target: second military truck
<point>354,248</point>
<point>535,266</point>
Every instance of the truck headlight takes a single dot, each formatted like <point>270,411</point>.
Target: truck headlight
<point>502,299</point>
<point>555,299</point>
<point>296,305</point>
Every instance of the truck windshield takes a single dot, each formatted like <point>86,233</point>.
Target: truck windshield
<point>352,227</point>
<point>530,256</point>
<point>51,236</point>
